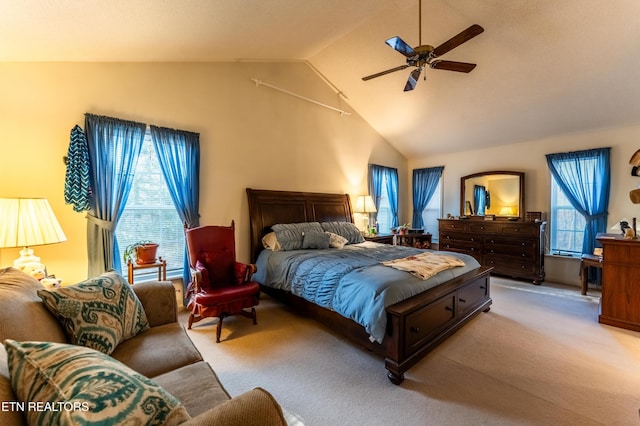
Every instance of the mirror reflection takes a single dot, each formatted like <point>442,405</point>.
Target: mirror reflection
<point>493,193</point>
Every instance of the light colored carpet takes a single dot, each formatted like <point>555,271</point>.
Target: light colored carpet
<point>539,357</point>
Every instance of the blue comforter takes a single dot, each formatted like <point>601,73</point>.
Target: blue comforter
<point>351,281</point>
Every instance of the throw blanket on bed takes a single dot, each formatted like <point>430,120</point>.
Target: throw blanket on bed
<point>425,265</point>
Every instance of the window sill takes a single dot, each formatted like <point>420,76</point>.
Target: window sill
<point>563,256</point>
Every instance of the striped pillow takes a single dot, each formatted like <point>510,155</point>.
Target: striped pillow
<point>98,313</point>
<point>63,384</point>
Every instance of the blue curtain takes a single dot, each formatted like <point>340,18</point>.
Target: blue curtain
<point>425,183</point>
<point>179,156</point>
<point>392,194</point>
<point>114,147</point>
<point>585,179</point>
<point>377,175</point>
<point>479,199</point>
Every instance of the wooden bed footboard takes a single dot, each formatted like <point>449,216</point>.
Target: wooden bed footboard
<point>415,326</point>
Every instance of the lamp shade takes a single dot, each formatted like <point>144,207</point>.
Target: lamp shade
<point>506,211</point>
<point>28,222</point>
<point>364,204</point>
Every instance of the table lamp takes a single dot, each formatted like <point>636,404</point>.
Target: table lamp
<point>506,211</point>
<point>28,222</point>
<point>365,205</point>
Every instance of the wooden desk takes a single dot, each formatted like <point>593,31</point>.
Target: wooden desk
<point>620,301</point>
<point>161,264</point>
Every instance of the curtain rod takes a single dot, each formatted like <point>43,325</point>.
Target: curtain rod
<point>261,83</point>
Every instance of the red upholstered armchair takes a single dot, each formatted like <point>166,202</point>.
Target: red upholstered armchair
<point>220,286</point>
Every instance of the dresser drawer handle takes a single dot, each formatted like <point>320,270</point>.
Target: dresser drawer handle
<point>414,329</point>
<point>462,300</point>
<point>472,239</point>
<point>448,308</point>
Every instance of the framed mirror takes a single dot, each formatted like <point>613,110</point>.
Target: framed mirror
<point>497,193</point>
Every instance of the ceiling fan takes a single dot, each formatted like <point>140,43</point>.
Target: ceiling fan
<point>425,55</point>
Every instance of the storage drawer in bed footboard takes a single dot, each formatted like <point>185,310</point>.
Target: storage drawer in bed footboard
<point>428,321</point>
<point>472,295</point>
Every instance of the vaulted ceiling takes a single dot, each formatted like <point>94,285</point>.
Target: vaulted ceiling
<point>545,67</point>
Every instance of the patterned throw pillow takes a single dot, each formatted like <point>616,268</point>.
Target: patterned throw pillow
<point>62,384</point>
<point>98,313</point>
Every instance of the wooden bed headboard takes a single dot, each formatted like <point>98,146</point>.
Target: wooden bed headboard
<point>267,208</point>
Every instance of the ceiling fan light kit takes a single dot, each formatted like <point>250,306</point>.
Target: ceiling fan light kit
<point>426,55</point>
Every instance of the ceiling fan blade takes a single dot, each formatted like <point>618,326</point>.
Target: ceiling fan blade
<point>453,66</point>
<point>399,45</point>
<point>413,79</point>
<point>381,73</point>
<point>457,40</point>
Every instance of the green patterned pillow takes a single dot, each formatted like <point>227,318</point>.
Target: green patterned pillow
<point>63,384</point>
<point>98,313</point>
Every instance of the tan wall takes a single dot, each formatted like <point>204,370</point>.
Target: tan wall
<point>250,136</point>
<point>529,157</point>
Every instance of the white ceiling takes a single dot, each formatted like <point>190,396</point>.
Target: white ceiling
<point>545,67</point>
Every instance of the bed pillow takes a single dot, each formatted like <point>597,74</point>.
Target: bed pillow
<point>345,229</point>
<point>335,240</point>
<point>315,240</point>
<point>77,385</point>
<point>98,313</point>
<point>270,241</point>
<point>290,235</point>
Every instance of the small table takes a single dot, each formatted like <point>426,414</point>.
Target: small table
<point>161,264</point>
<point>586,261</point>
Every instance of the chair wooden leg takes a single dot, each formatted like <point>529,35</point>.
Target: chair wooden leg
<point>219,329</point>
<point>255,317</point>
<point>190,322</point>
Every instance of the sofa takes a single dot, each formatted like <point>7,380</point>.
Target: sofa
<point>163,353</point>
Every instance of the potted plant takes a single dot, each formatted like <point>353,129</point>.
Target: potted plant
<point>142,252</point>
<point>402,229</point>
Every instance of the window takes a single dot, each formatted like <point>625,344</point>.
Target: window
<point>433,212</point>
<point>384,215</point>
<point>581,179</point>
<point>150,214</point>
<point>383,188</point>
<point>567,225</point>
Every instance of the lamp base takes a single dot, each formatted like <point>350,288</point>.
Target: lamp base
<point>30,264</point>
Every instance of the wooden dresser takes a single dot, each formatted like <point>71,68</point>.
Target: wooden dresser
<point>620,300</point>
<point>514,249</point>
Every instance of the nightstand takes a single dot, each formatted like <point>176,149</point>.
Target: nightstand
<point>380,238</point>
<point>409,240</point>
